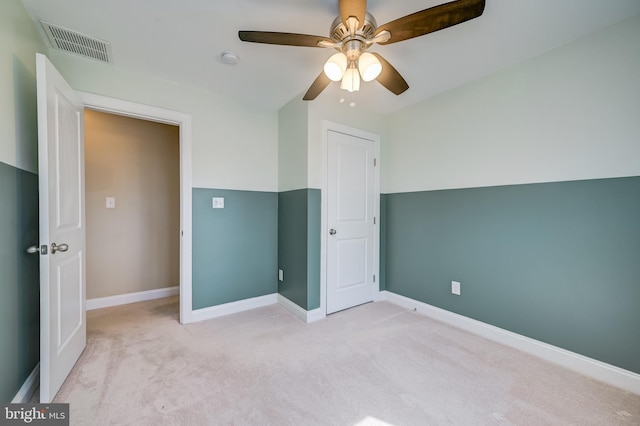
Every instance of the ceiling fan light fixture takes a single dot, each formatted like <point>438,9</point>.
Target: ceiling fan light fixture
<point>336,66</point>
<point>369,66</point>
<point>351,80</point>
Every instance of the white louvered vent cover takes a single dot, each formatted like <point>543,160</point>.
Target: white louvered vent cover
<point>77,43</point>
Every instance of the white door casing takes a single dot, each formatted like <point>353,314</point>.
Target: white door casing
<point>351,231</point>
<point>183,121</point>
<point>61,204</point>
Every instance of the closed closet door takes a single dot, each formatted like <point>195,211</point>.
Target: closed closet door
<point>350,221</point>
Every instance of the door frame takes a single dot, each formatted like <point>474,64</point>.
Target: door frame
<point>183,121</point>
<point>324,197</point>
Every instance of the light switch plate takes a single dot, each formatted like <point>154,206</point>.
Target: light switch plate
<point>280,275</point>
<point>111,202</point>
<point>455,287</point>
<point>218,203</point>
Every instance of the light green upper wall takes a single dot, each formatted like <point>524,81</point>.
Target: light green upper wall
<point>19,41</point>
<point>292,145</point>
<point>235,146</point>
<point>568,114</point>
<point>328,108</point>
<point>300,137</point>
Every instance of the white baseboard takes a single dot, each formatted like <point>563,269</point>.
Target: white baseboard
<point>315,315</point>
<point>599,370</point>
<point>124,299</point>
<point>302,314</point>
<point>233,307</point>
<point>292,307</point>
<point>29,387</point>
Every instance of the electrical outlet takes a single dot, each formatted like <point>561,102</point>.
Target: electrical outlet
<point>455,287</point>
<point>280,275</point>
<point>111,202</point>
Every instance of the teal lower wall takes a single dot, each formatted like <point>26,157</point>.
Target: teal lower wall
<point>557,262</point>
<point>292,245</point>
<point>299,246</point>
<point>383,243</point>
<point>235,249</point>
<point>19,279</point>
<point>314,214</point>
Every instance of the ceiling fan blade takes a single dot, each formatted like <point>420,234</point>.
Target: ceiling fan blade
<point>357,8</point>
<point>432,19</point>
<point>317,87</point>
<point>390,77</point>
<point>285,39</point>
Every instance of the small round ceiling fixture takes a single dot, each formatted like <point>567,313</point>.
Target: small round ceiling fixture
<point>230,58</point>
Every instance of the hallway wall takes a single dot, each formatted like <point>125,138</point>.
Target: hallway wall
<point>136,245</point>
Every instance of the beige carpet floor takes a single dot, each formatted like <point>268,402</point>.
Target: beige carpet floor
<point>375,364</point>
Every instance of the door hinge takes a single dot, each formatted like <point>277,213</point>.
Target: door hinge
<point>374,220</point>
<point>375,162</point>
<point>374,278</point>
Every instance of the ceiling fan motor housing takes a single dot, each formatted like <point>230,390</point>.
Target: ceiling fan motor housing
<point>352,45</point>
<point>339,31</point>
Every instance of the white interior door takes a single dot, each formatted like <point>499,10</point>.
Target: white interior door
<point>63,331</point>
<point>350,221</point>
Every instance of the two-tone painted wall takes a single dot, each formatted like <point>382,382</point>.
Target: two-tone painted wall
<point>295,203</point>
<point>300,173</point>
<point>526,190</point>
<point>234,155</point>
<point>19,272</point>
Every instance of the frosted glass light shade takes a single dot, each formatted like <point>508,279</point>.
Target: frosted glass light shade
<point>369,66</point>
<point>351,80</point>
<point>335,66</point>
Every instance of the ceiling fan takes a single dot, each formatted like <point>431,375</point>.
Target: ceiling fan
<point>355,30</point>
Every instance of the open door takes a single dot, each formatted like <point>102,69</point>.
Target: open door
<point>63,330</point>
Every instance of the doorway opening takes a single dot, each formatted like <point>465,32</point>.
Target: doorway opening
<point>132,209</point>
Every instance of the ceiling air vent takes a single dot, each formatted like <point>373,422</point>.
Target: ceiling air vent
<point>77,43</point>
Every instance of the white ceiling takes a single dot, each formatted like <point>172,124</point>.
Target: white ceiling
<point>181,40</point>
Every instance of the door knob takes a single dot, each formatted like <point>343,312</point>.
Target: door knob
<point>61,247</point>
<point>33,250</point>
<point>332,231</point>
